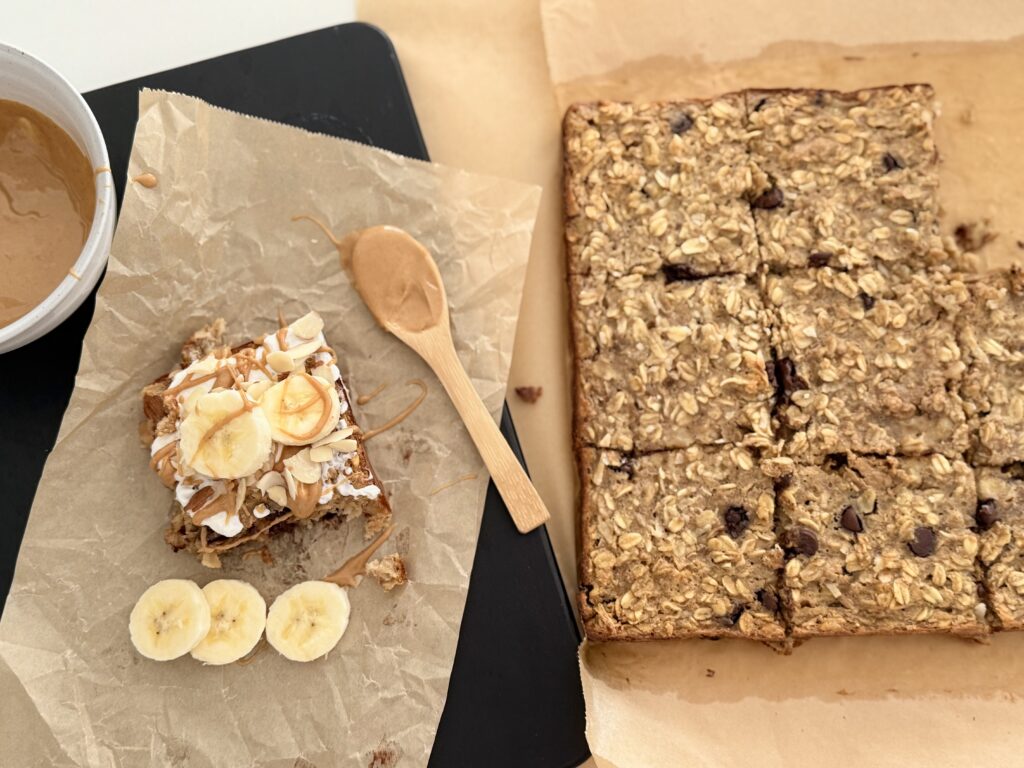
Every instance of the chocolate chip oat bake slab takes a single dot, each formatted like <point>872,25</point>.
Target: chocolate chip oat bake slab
<point>788,400</point>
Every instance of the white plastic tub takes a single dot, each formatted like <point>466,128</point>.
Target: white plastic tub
<point>30,81</point>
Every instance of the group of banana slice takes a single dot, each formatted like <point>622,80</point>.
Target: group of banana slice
<point>223,621</point>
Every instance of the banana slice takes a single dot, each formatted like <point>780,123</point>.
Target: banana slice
<point>308,620</point>
<point>238,614</point>
<point>301,409</point>
<point>169,620</point>
<point>225,436</point>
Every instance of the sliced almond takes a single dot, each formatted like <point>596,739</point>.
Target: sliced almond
<point>240,495</point>
<point>321,453</point>
<point>300,352</point>
<point>303,468</point>
<point>293,487</point>
<point>270,480</point>
<point>345,446</point>
<point>282,362</point>
<point>336,435</point>
<point>257,388</point>
<point>308,326</point>
<point>278,495</point>
<point>324,372</point>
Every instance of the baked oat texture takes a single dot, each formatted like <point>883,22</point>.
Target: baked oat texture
<point>869,361</point>
<point>846,179</point>
<point>260,516</point>
<point>1000,520</point>
<point>880,546</point>
<point>678,544</point>
<point>663,186</point>
<point>761,275</point>
<point>664,364</point>
<point>992,337</point>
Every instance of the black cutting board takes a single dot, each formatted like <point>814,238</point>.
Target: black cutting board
<point>514,698</point>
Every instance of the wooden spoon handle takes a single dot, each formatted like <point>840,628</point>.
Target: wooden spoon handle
<point>521,498</point>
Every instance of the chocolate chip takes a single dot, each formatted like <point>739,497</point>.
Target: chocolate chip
<point>736,521</point>
<point>986,514</point>
<point>782,483</point>
<point>819,259</point>
<point>891,163</point>
<point>851,520</point>
<point>760,103</point>
<point>923,543</point>
<point>867,300</point>
<point>676,273</point>
<point>768,599</point>
<point>626,466</point>
<point>770,198</point>
<point>790,380</point>
<point>769,368</point>
<point>802,541</point>
<point>836,461</point>
<point>681,123</point>
<point>737,611</point>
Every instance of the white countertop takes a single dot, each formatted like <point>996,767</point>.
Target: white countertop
<point>101,42</point>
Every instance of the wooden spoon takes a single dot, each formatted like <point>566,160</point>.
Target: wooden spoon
<point>400,283</point>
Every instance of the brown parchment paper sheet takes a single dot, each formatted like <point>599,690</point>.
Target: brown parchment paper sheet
<point>214,238</point>
<point>872,701</point>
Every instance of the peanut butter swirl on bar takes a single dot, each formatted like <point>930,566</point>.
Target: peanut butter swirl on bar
<point>258,435</point>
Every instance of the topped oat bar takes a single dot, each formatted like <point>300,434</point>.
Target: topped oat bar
<point>257,435</point>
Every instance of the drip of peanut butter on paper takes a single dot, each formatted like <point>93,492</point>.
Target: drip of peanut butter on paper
<point>147,180</point>
<point>47,203</point>
<point>348,574</point>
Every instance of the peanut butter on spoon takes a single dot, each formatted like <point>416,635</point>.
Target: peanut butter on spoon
<point>401,285</point>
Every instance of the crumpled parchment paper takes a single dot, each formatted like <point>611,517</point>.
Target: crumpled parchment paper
<point>215,238</point>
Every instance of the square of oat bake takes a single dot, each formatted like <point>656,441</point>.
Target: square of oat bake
<point>845,179</point>
<point>868,361</point>
<point>1000,521</point>
<point>678,544</point>
<point>665,364</point>
<point>992,337</point>
<point>880,546</point>
<point>658,186</point>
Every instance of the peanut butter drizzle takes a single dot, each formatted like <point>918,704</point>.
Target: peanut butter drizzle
<point>47,204</point>
<point>450,483</point>
<point>307,496</point>
<point>160,463</point>
<point>364,399</point>
<point>247,405</point>
<point>188,382</point>
<point>102,169</point>
<point>147,180</point>
<point>347,575</point>
<point>282,338</point>
<point>223,503</point>
<point>322,396</point>
<point>281,322</point>
<point>394,422</point>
